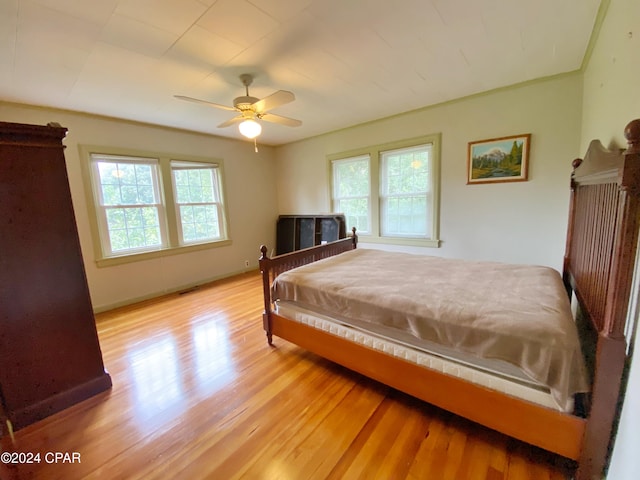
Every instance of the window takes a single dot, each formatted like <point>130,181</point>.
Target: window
<point>199,208</point>
<point>404,192</point>
<point>390,192</point>
<point>129,209</point>
<point>351,191</point>
<point>148,205</point>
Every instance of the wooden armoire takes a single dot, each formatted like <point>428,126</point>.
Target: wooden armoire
<point>50,356</point>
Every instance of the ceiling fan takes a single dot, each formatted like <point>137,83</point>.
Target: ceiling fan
<point>252,109</point>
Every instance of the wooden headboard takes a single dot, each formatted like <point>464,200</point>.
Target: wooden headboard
<point>599,264</point>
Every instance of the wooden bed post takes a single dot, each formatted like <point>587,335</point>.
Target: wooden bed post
<point>572,212</point>
<point>266,291</point>
<point>611,350</point>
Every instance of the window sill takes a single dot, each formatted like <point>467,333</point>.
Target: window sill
<point>136,257</point>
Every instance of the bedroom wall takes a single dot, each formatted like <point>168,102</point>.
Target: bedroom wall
<point>611,80</point>
<point>521,222</point>
<point>612,76</point>
<point>251,217</point>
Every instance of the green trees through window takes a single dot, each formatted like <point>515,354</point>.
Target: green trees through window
<point>134,194</point>
<point>352,191</point>
<point>404,192</point>
<point>197,200</point>
<point>390,191</point>
<point>130,200</point>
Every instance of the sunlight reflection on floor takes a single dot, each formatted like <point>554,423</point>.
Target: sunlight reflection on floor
<point>165,377</point>
<point>213,365</point>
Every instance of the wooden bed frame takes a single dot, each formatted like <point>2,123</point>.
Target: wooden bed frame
<point>604,218</point>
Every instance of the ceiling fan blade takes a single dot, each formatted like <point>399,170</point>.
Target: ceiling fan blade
<point>231,121</point>
<point>211,104</point>
<point>272,117</point>
<point>274,100</point>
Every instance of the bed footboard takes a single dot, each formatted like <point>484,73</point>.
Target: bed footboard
<point>274,266</point>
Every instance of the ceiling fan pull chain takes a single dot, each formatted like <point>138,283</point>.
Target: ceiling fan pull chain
<point>255,145</point>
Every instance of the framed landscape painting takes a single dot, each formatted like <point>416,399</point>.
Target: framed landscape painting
<point>496,160</point>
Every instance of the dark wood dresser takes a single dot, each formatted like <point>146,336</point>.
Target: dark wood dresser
<point>50,356</point>
<point>295,232</point>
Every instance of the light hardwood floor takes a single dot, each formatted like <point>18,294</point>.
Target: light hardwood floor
<point>198,394</point>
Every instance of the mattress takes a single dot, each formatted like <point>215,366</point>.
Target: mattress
<point>496,375</point>
<point>518,314</point>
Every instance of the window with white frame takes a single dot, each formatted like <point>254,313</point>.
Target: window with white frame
<point>405,192</point>
<point>145,204</point>
<point>199,209</point>
<point>352,191</point>
<point>130,213</point>
<point>390,192</point>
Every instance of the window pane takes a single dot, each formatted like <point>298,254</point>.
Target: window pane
<point>146,194</point>
<point>406,173</point>
<point>207,194</point>
<point>152,236</point>
<point>119,240</point>
<point>143,175</point>
<point>199,222</point>
<point>115,219</point>
<point>194,186</point>
<point>127,183</point>
<point>406,216</point>
<point>181,177</point>
<point>133,217</point>
<point>108,173</point>
<point>186,213</point>
<point>149,217</point>
<point>206,178</point>
<point>111,195</point>
<point>356,211</point>
<point>136,238</point>
<point>129,194</point>
<point>182,193</point>
<point>133,228</point>
<point>127,173</point>
<point>351,178</point>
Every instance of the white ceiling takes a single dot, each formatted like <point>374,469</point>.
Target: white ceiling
<point>347,61</point>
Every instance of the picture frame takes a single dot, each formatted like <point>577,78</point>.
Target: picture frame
<point>498,160</point>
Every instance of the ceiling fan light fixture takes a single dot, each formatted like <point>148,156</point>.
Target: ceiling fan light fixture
<point>252,109</point>
<point>250,128</point>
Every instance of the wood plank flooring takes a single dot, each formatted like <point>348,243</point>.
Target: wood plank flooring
<point>199,394</point>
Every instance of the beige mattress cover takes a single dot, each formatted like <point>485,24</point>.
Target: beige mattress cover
<point>516,313</point>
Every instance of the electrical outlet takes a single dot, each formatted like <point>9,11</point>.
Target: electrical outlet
<point>246,263</point>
